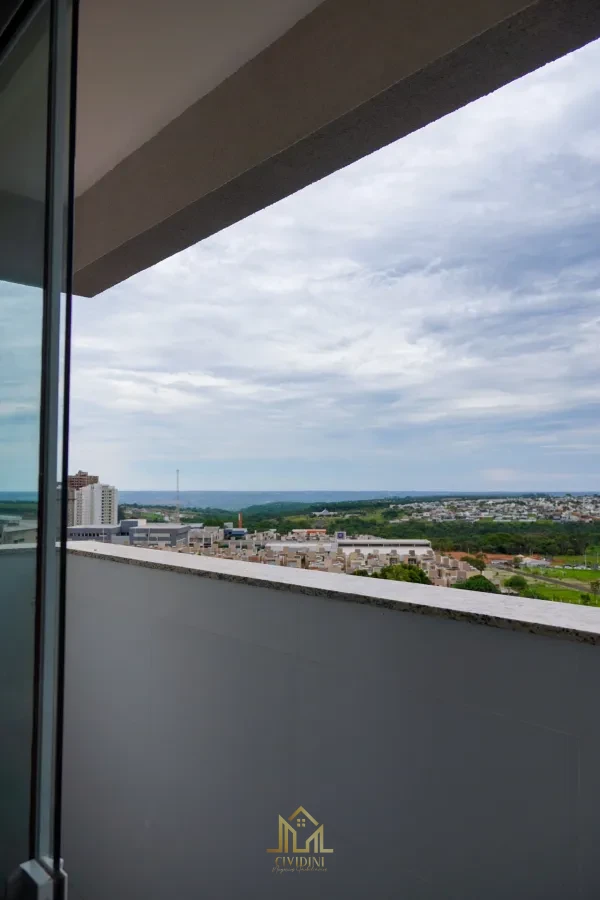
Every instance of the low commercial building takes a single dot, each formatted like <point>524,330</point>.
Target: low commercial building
<point>24,532</point>
<point>108,534</point>
<point>138,532</point>
<point>160,534</point>
<point>365,543</point>
<point>9,520</point>
<point>402,545</point>
<point>234,533</point>
<point>532,563</point>
<point>126,525</point>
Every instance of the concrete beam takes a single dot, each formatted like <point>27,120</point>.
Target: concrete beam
<point>349,78</point>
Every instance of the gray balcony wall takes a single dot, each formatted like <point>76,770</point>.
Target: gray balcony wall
<point>446,759</point>
<point>17,612</point>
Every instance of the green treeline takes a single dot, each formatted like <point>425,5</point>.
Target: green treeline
<point>372,517</point>
<point>552,539</point>
<point>25,509</point>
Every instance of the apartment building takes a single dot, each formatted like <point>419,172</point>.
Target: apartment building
<point>75,482</point>
<point>81,479</point>
<point>96,504</point>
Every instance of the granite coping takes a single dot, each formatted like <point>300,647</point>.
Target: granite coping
<point>543,617</point>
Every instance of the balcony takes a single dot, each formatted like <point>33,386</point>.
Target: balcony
<point>449,741</point>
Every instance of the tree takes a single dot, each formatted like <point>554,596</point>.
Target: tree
<point>400,572</point>
<point>516,583</point>
<point>595,587</point>
<point>516,562</point>
<point>477,583</point>
<point>405,572</point>
<point>478,562</point>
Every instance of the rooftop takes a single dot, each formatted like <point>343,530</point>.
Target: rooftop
<point>161,526</point>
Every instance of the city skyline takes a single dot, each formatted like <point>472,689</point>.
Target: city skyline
<point>427,316</point>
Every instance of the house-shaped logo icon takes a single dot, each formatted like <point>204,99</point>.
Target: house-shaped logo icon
<point>292,834</point>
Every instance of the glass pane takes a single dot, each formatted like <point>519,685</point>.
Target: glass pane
<point>23,121</point>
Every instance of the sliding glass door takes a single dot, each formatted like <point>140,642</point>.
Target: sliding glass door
<point>36,42</point>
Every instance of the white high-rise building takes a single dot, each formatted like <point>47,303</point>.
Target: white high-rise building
<point>97,504</point>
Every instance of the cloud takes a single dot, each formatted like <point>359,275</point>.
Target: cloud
<point>427,318</point>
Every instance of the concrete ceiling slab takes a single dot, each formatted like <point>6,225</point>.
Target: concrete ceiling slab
<point>348,78</point>
<point>141,63</point>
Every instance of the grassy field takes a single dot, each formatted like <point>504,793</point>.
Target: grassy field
<point>563,595</point>
<point>546,591</point>
<point>585,575</point>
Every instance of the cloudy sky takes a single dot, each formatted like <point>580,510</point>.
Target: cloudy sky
<point>428,318</point>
